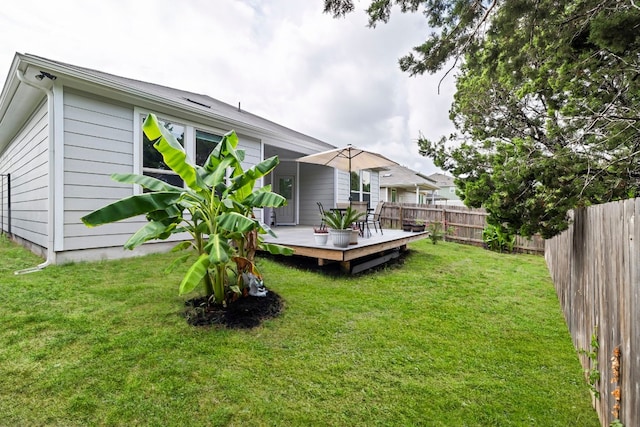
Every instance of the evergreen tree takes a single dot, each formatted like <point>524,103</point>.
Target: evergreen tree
<point>547,106</point>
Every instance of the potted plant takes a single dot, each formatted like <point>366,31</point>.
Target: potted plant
<point>418,225</point>
<point>340,225</point>
<point>321,235</point>
<point>355,232</point>
<point>407,226</point>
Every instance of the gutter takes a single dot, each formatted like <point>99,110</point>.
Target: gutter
<point>51,256</point>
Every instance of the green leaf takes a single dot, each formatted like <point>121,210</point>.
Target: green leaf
<point>261,199</point>
<point>218,249</point>
<point>218,173</point>
<point>148,182</point>
<point>276,249</point>
<point>251,175</point>
<point>194,275</point>
<point>129,207</point>
<point>150,231</point>
<point>181,246</point>
<point>176,262</point>
<point>172,153</point>
<point>233,221</point>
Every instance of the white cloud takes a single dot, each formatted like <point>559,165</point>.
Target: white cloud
<point>334,79</point>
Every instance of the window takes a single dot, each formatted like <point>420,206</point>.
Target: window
<point>152,163</point>
<point>361,186</point>
<point>394,195</point>
<point>205,143</point>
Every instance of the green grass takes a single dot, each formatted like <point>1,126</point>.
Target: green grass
<point>457,336</point>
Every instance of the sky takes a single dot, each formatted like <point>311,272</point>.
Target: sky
<point>285,60</point>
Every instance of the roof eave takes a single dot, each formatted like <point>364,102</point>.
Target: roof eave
<point>83,75</point>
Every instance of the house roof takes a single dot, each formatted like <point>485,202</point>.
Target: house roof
<point>442,180</point>
<point>402,177</point>
<point>134,91</point>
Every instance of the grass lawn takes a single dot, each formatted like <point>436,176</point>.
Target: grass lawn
<point>457,336</point>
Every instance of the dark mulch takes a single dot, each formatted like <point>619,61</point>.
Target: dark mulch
<point>244,313</point>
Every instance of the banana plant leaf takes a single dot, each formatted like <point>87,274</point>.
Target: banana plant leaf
<point>276,249</point>
<point>218,175</point>
<point>256,172</point>
<point>218,249</point>
<point>172,153</point>
<point>148,182</point>
<point>236,222</point>
<point>131,206</point>
<point>150,231</point>
<point>195,274</point>
<point>264,199</point>
<point>225,148</point>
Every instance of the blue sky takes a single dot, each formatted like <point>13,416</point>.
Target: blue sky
<point>333,79</point>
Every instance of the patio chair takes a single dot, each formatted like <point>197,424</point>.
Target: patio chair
<point>363,208</point>
<point>374,218</point>
<point>321,209</point>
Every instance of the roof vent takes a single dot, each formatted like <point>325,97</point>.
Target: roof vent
<point>198,103</point>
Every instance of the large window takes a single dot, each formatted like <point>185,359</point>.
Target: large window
<point>205,143</point>
<point>152,163</point>
<point>361,186</point>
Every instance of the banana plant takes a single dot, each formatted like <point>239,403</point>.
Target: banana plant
<point>215,207</point>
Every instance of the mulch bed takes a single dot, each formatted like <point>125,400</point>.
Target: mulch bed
<point>244,313</point>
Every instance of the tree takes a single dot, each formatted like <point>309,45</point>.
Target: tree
<point>546,106</point>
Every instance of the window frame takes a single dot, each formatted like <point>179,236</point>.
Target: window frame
<point>359,192</point>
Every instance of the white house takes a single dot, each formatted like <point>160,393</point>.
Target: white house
<point>65,129</point>
<point>446,195</point>
<point>403,185</point>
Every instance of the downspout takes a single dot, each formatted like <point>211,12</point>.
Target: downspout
<point>50,227</point>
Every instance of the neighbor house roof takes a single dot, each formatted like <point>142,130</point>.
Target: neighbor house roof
<point>130,90</point>
<point>442,180</point>
<point>402,177</point>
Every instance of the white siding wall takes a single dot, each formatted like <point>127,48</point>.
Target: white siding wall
<point>98,141</point>
<point>406,196</point>
<point>316,185</point>
<point>253,152</point>
<point>98,136</point>
<point>344,184</point>
<point>26,159</point>
<point>375,189</point>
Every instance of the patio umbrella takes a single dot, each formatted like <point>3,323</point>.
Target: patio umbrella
<point>348,159</point>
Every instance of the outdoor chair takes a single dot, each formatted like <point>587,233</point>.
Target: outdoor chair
<point>374,218</point>
<point>321,209</point>
<point>363,208</point>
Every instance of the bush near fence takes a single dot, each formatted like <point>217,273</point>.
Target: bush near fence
<point>595,267</point>
<point>468,223</point>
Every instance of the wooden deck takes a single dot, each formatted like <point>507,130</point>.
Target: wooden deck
<point>369,252</point>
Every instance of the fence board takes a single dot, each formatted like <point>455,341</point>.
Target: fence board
<point>594,267</point>
<point>468,223</point>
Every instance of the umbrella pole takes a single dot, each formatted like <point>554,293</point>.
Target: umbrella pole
<point>349,154</point>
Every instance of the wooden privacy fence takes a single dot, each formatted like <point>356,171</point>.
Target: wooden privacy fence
<point>468,223</point>
<point>595,266</point>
